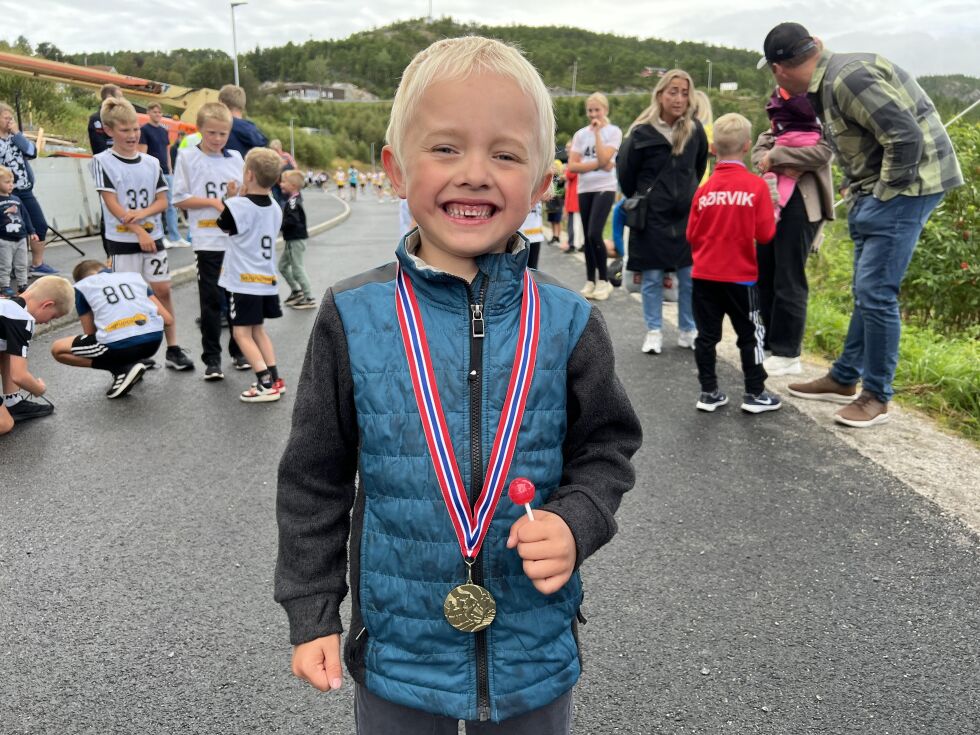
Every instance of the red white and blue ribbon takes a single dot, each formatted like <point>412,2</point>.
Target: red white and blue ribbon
<point>471,525</point>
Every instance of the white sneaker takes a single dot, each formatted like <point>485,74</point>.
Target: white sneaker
<point>777,365</point>
<point>167,244</point>
<point>654,342</point>
<point>588,289</point>
<point>602,291</point>
<point>182,243</point>
<point>686,339</point>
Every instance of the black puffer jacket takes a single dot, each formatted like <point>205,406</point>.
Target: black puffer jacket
<point>645,160</point>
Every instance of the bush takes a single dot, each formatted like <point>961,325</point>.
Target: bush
<point>941,287</point>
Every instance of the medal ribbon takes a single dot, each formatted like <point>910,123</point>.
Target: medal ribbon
<point>471,525</point>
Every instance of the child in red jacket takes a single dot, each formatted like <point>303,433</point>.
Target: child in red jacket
<point>729,214</point>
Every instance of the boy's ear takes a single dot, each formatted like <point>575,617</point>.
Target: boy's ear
<point>714,151</point>
<point>542,188</point>
<point>395,174</point>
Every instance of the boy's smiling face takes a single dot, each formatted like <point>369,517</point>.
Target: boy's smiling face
<point>469,168</point>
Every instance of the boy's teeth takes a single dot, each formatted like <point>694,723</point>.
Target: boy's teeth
<point>469,210</point>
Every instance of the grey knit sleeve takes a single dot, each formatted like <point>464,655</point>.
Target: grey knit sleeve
<point>603,434</point>
<point>316,485</point>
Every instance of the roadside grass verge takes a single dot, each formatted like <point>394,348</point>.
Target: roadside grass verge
<point>937,373</point>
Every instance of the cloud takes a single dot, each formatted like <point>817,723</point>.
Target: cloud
<point>926,37</point>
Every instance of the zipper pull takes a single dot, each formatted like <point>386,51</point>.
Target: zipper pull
<point>476,321</point>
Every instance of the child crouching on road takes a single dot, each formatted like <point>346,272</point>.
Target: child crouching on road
<point>122,325</point>
<point>252,220</point>
<point>410,370</point>
<point>729,214</point>
<point>49,297</point>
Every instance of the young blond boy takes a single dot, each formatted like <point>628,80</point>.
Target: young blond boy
<point>122,325</point>
<point>470,145</point>
<point>134,194</point>
<point>16,229</point>
<point>49,297</point>
<point>252,220</point>
<point>295,234</point>
<point>730,213</point>
<point>200,183</point>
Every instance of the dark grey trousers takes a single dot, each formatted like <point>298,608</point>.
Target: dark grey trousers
<point>377,716</point>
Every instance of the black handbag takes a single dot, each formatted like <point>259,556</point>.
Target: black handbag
<point>635,208</point>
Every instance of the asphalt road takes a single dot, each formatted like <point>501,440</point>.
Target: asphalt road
<point>766,578</point>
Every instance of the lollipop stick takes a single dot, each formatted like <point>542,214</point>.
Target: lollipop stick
<point>530,515</point>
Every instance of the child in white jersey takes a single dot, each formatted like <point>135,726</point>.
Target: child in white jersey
<point>200,181</point>
<point>252,220</point>
<point>133,195</point>
<point>122,324</point>
<point>533,230</point>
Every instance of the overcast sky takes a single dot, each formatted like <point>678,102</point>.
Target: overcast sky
<point>925,36</point>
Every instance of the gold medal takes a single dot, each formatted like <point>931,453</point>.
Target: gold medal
<point>470,608</point>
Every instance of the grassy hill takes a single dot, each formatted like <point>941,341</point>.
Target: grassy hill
<point>374,60</point>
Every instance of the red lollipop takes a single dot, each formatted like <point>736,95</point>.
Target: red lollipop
<point>521,492</point>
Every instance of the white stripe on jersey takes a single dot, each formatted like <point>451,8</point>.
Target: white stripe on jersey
<point>199,174</point>
<point>250,261</point>
<point>136,184</point>
<point>120,306</point>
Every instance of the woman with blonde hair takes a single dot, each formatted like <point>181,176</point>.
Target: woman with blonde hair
<point>593,158</point>
<point>663,159</point>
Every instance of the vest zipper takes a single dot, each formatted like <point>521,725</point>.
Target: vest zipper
<point>477,332</point>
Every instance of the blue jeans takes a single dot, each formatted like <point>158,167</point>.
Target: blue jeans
<point>884,235</point>
<point>652,289</point>
<point>170,220</point>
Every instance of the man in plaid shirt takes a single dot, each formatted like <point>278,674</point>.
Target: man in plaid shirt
<point>898,163</point>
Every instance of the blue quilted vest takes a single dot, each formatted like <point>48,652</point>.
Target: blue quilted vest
<point>408,558</point>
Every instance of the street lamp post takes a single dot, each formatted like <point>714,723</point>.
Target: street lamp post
<point>234,37</point>
<point>292,142</point>
<point>709,73</point>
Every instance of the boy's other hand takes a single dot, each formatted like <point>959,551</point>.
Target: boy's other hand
<point>318,662</point>
<point>232,189</point>
<point>147,245</point>
<point>547,547</point>
<point>35,238</point>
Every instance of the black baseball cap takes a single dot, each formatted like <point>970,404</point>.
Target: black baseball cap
<point>785,41</point>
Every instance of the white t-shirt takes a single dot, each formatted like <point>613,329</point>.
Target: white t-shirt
<point>121,306</point>
<point>250,260</point>
<point>584,142</point>
<point>201,174</point>
<point>533,227</point>
<point>136,183</point>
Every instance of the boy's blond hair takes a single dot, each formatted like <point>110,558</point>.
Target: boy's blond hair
<point>452,59</point>
<point>116,111</point>
<point>265,164</point>
<point>53,288</point>
<point>731,133</point>
<point>294,177</point>
<point>154,106</point>
<point>232,97</point>
<point>6,173</point>
<point>213,111</point>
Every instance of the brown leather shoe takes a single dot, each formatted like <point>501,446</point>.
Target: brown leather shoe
<point>824,389</point>
<point>863,411</point>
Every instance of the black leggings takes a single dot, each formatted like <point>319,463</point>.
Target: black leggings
<point>595,207</point>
